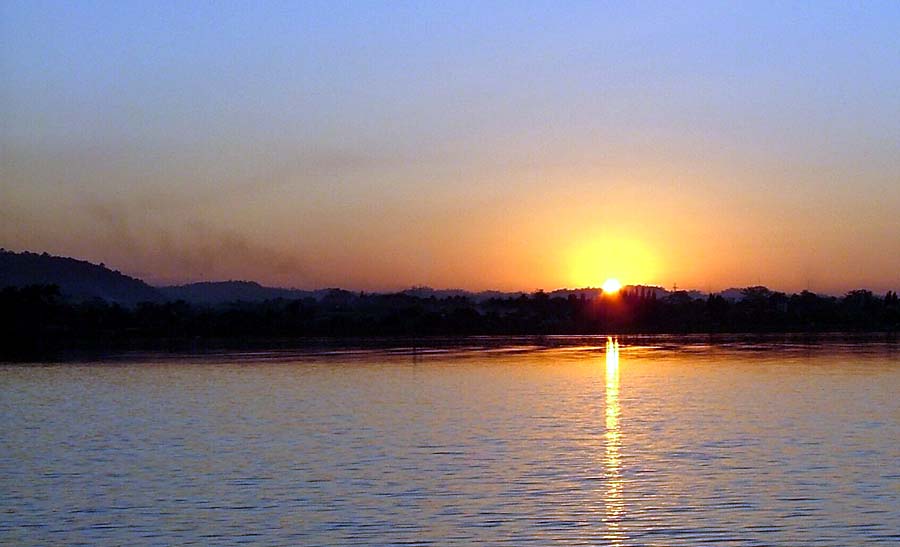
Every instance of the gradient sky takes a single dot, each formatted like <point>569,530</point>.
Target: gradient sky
<point>516,145</point>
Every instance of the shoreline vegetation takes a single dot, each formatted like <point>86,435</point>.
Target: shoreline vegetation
<point>38,322</point>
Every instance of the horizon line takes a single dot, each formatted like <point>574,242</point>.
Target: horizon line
<point>169,284</point>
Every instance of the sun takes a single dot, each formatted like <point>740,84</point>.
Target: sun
<point>611,286</point>
<point>610,257</point>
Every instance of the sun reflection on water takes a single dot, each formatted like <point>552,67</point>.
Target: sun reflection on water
<point>615,505</point>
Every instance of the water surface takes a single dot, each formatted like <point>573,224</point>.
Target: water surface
<point>645,442</point>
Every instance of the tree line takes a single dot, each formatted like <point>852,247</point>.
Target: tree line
<point>37,318</point>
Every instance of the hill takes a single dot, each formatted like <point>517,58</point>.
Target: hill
<point>78,280</point>
<point>215,293</point>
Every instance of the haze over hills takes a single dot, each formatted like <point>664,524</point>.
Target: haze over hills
<point>220,292</point>
<point>80,280</point>
<point>48,301</point>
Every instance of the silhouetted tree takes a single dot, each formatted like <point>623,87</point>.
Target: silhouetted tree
<point>36,318</point>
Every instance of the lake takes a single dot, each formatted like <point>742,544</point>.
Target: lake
<point>593,441</point>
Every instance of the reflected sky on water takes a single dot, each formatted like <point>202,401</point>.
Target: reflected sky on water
<point>605,441</point>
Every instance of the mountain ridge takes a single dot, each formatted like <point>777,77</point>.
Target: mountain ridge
<point>77,280</point>
<point>81,280</point>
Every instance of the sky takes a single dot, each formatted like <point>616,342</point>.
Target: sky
<point>478,145</point>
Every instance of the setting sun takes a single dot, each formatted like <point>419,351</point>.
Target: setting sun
<point>611,257</point>
<point>611,285</point>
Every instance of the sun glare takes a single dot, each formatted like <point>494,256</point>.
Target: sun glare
<point>611,258</point>
<point>611,286</point>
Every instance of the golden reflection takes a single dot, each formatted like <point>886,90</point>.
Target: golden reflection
<point>615,505</point>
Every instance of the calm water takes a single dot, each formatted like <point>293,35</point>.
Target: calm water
<point>647,443</point>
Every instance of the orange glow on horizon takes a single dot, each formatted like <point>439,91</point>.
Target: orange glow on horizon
<point>611,259</point>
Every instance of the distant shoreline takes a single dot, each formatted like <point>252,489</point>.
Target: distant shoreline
<point>51,304</point>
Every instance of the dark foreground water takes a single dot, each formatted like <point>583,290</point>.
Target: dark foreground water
<point>650,443</point>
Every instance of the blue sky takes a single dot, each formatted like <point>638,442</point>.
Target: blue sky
<point>456,143</point>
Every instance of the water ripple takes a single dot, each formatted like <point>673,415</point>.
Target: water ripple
<point>590,445</point>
